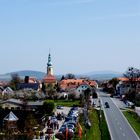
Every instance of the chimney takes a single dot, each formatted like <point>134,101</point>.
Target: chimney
<point>26,80</point>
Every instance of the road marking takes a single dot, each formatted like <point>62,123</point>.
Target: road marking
<point>125,120</point>
<point>102,105</point>
<point>124,134</point>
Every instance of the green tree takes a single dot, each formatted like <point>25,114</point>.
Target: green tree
<point>132,74</point>
<point>72,96</point>
<point>70,76</point>
<point>30,123</point>
<point>63,77</point>
<point>51,90</point>
<point>48,106</point>
<point>15,80</point>
<point>113,82</point>
<point>87,93</point>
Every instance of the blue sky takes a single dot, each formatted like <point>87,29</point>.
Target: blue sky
<point>83,35</point>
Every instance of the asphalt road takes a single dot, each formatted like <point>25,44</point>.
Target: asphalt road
<point>118,126</point>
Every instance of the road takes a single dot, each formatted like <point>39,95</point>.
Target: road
<point>118,126</point>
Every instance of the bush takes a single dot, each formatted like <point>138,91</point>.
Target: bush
<point>48,106</point>
<point>72,96</point>
<point>94,95</point>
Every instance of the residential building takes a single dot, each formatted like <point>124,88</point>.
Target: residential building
<point>20,104</point>
<point>124,86</point>
<point>77,85</point>
<point>29,83</point>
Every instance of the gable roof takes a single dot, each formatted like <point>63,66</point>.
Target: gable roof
<point>74,83</point>
<point>124,79</point>
<point>13,101</point>
<point>11,117</point>
<point>34,86</point>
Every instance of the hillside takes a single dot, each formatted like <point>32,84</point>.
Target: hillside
<point>39,75</point>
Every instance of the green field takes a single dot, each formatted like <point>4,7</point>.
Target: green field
<point>99,129</point>
<point>67,103</point>
<point>103,127</point>
<point>134,120</point>
<point>94,132</point>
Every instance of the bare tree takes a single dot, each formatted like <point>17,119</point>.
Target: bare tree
<point>15,80</point>
<point>70,76</point>
<point>132,74</point>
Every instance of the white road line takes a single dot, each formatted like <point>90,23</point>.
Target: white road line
<point>126,120</point>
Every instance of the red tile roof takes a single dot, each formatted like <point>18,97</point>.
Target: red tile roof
<point>49,79</point>
<point>124,79</point>
<point>74,83</point>
<point>32,80</point>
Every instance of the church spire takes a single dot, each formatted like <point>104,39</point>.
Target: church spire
<point>49,65</point>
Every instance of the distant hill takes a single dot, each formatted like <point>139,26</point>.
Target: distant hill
<point>97,75</point>
<point>103,75</point>
<point>39,75</point>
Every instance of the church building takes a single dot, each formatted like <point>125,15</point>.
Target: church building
<point>49,78</point>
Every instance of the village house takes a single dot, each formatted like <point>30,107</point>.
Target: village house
<point>29,83</point>
<point>124,86</point>
<point>77,85</point>
<point>17,104</point>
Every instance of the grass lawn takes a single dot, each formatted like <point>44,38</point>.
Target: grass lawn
<point>105,135</point>
<point>134,121</point>
<point>94,132</point>
<point>67,103</point>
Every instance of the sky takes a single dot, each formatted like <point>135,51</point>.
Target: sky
<point>83,35</point>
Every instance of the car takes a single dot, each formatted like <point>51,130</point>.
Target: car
<point>129,104</point>
<point>70,122</point>
<point>59,107</point>
<point>74,108</point>
<point>49,131</point>
<point>69,126</point>
<point>53,119</point>
<point>107,105</point>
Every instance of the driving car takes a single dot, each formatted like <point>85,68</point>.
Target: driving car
<point>107,105</point>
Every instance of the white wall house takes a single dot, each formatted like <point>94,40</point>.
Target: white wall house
<point>122,88</point>
<point>82,88</point>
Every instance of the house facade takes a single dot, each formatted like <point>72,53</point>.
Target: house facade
<point>124,86</point>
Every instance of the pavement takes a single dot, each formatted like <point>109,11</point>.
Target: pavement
<point>119,127</point>
<point>65,110</point>
<point>137,109</point>
<point>119,103</point>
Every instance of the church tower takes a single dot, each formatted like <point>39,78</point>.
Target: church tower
<point>49,77</point>
<point>49,66</point>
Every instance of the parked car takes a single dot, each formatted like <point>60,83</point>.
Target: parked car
<point>129,104</point>
<point>70,122</point>
<point>59,107</point>
<point>49,131</point>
